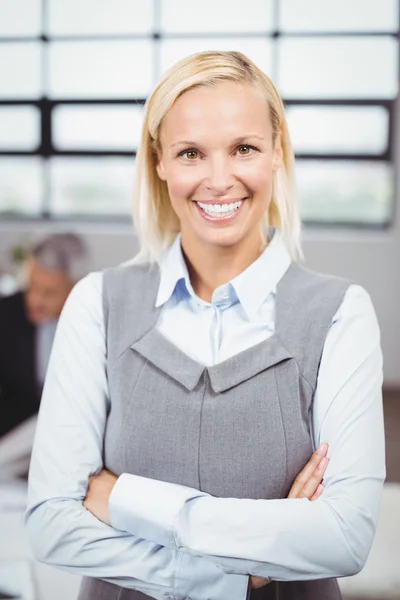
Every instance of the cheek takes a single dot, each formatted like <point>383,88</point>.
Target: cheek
<point>182,182</point>
<point>257,177</point>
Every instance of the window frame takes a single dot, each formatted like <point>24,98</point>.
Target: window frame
<point>46,149</point>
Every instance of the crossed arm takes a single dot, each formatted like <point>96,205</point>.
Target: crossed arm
<point>308,484</point>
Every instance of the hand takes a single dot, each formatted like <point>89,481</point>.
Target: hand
<point>257,582</point>
<point>308,483</point>
<point>98,494</point>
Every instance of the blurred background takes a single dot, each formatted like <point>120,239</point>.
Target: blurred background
<point>74,76</point>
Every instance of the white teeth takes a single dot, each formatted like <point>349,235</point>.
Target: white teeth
<point>214,210</point>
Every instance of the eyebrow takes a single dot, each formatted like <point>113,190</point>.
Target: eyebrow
<point>183,143</point>
<point>239,140</point>
<point>247,137</point>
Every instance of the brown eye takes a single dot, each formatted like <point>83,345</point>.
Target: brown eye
<point>190,154</point>
<point>243,150</point>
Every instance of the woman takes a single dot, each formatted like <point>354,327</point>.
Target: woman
<point>192,386</point>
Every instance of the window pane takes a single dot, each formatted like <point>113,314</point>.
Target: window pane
<point>20,70</point>
<point>345,191</point>
<point>339,15</point>
<point>21,185</point>
<point>97,128</point>
<point>209,16</point>
<point>258,50</point>
<point>20,17</point>
<point>100,17</point>
<point>19,128</point>
<point>338,67</point>
<point>338,129</point>
<point>100,69</point>
<point>91,186</point>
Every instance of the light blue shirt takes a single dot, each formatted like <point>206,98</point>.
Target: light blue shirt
<point>240,315</point>
<point>170,541</point>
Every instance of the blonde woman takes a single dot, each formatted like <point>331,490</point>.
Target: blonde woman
<point>196,396</point>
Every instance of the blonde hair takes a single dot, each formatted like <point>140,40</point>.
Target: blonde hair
<point>155,220</point>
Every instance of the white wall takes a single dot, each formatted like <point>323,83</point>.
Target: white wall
<point>372,261</point>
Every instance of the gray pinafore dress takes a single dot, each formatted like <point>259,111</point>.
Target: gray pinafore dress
<point>240,428</point>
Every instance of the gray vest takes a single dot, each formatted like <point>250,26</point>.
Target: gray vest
<point>240,428</point>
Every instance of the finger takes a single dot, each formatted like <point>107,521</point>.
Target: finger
<point>316,478</point>
<point>312,464</point>
<point>304,475</point>
<point>318,492</point>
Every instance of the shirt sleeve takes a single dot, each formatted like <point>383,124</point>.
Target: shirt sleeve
<point>68,448</point>
<point>291,539</point>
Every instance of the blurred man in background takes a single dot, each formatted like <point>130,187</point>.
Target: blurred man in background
<point>28,321</point>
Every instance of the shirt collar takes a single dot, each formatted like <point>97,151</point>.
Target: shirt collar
<point>260,279</point>
<point>252,286</point>
<point>173,269</point>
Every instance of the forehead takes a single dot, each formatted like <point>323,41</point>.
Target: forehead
<point>227,108</point>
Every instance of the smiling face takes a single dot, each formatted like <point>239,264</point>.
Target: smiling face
<point>217,157</point>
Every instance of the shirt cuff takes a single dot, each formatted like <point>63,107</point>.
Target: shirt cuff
<point>148,508</point>
<point>200,579</point>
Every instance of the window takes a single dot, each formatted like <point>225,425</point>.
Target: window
<point>74,77</point>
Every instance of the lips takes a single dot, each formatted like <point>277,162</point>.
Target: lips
<point>222,211</point>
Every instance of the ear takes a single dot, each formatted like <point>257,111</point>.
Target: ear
<point>277,155</point>
<point>160,167</point>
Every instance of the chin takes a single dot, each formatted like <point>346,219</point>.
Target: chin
<point>36,319</point>
<point>223,239</point>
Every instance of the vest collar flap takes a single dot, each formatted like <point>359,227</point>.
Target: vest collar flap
<point>247,364</point>
<point>164,355</point>
<point>169,359</point>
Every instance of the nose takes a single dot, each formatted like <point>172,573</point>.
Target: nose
<point>220,177</point>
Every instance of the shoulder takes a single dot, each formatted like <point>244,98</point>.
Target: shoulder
<point>93,295</point>
<point>125,285</point>
<point>356,313</point>
<point>128,273</point>
<point>308,278</point>
<point>85,298</point>
<point>81,323</point>
<point>12,307</point>
<point>88,287</point>
<point>92,286</point>
<point>316,295</point>
<point>355,306</point>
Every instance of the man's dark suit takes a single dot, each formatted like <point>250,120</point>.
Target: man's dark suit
<point>19,390</point>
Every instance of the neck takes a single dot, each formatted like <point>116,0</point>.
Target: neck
<point>212,266</point>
